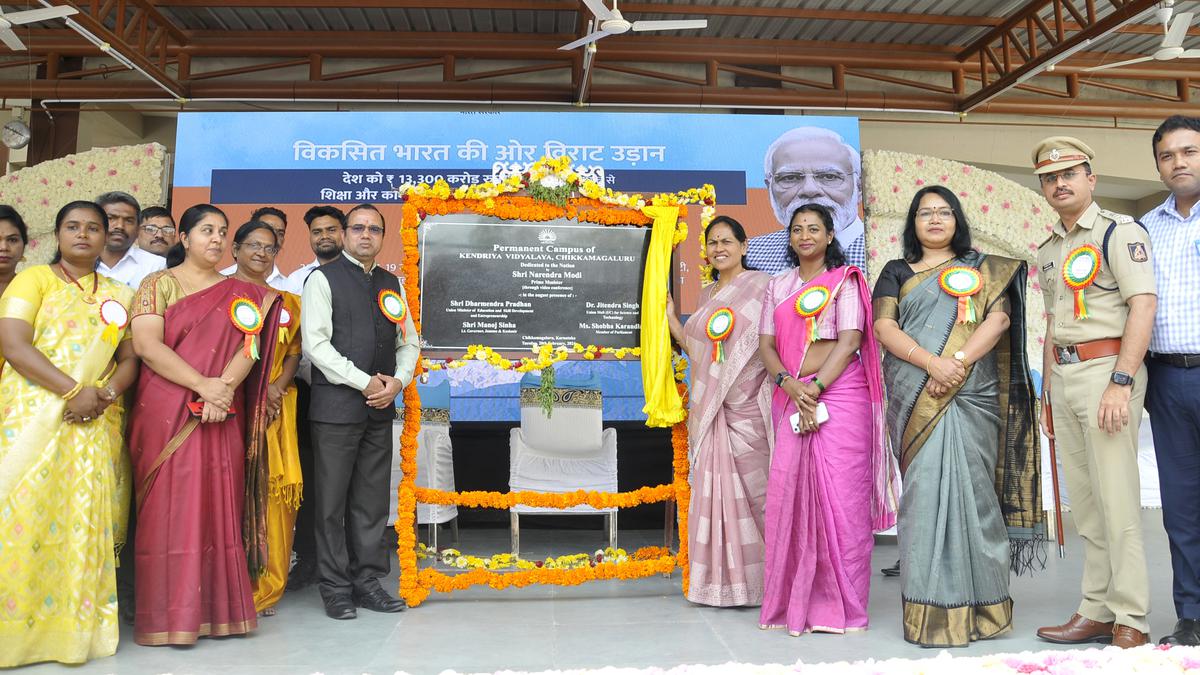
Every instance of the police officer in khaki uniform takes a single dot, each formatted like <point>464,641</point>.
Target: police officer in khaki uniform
<point>1098,283</point>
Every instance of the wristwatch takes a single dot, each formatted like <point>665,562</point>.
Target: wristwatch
<point>783,375</point>
<point>1122,379</point>
<point>961,357</point>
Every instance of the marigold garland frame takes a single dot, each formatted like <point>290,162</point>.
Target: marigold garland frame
<point>607,209</point>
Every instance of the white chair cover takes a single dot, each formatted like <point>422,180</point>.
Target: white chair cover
<point>435,465</point>
<point>565,452</point>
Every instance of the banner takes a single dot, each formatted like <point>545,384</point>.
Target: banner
<point>761,165</point>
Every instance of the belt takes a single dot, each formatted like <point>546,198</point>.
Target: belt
<point>1177,360</point>
<point>1087,351</point>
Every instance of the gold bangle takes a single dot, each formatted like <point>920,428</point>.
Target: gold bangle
<point>74,392</point>
<point>910,351</point>
<point>928,361</point>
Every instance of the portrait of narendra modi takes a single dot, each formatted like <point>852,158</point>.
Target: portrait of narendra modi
<point>811,165</point>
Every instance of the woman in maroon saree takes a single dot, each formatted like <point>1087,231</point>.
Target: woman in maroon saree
<point>199,536</point>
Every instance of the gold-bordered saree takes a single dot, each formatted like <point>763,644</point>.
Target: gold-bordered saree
<point>971,507</point>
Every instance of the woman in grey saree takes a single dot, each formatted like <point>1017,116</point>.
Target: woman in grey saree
<point>961,420</point>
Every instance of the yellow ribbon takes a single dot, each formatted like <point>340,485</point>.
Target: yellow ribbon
<point>663,406</point>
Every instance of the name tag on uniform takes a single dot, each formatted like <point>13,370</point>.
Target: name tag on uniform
<point>1050,265</point>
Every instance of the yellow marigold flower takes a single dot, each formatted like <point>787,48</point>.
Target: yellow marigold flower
<point>589,356</point>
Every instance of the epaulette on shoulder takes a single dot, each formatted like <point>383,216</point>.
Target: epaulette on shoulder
<point>1046,241</point>
<point>1119,218</point>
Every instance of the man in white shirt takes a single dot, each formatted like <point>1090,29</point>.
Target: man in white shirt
<point>325,225</point>
<point>278,221</point>
<point>156,231</point>
<point>120,259</point>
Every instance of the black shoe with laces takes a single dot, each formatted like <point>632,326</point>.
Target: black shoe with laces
<point>377,600</point>
<point>303,573</point>
<point>1187,634</point>
<point>340,607</point>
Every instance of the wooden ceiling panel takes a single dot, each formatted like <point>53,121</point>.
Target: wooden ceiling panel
<point>876,53</point>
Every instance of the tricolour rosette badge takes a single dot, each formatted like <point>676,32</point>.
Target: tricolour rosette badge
<point>1079,271</point>
<point>962,283</point>
<point>115,317</point>
<point>285,324</point>
<point>809,305</point>
<point>719,328</point>
<point>393,307</point>
<point>247,318</point>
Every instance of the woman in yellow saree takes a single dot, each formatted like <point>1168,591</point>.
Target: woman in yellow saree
<point>254,249</point>
<point>61,468</point>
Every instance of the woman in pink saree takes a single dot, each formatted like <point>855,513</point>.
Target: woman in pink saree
<point>831,480</point>
<point>728,426</point>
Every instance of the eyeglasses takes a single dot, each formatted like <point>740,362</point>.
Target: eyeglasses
<point>1052,178</point>
<point>928,214</point>
<point>155,229</point>
<point>375,230</point>
<point>255,247</point>
<point>792,179</point>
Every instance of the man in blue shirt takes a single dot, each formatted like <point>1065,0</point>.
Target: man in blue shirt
<point>1173,392</point>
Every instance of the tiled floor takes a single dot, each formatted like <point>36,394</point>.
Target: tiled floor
<point>637,623</point>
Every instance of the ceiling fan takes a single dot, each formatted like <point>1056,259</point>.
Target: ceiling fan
<point>610,22</point>
<point>10,19</point>
<point>1172,44</point>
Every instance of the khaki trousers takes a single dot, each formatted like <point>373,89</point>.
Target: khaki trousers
<point>1101,472</point>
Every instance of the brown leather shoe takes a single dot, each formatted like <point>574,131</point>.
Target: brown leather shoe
<point>1126,637</point>
<point>1078,630</point>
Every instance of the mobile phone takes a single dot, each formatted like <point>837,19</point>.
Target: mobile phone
<point>822,417</point>
<point>196,408</point>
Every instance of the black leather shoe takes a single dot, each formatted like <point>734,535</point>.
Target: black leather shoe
<point>1187,634</point>
<point>893,571</point>
<point>303,573</point>
<point>340,607</point>
<point>377,600</point>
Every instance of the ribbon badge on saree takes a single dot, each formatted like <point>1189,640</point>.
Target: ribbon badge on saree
<point>248,318</point>
<point>719,328</point>
<point>1079,271</point>
<point>962,283</point>
<point>115,317</point>
<point>285,322</point>
<point>809,304</point>
<point>392,306</point>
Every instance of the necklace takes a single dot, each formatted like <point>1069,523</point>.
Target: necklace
<point>89,298</point>
<point>929,266</point>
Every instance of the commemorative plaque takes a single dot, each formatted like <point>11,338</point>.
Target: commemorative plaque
<point>512,284</point>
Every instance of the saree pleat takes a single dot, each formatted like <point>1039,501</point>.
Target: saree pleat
<point>970,510</point>
<point>191,544</point>
<point>59,496</point>
<point>730,451</point>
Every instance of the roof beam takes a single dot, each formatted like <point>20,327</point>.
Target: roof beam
<point>1011,74</point>
<point>683,95</point>
<point>147,55</point>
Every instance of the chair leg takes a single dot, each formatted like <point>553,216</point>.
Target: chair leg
<point>433,535</point>
<point>454,529</point>
<point>611,519</point>
<point>514,529</point>
<point>669,524</point>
